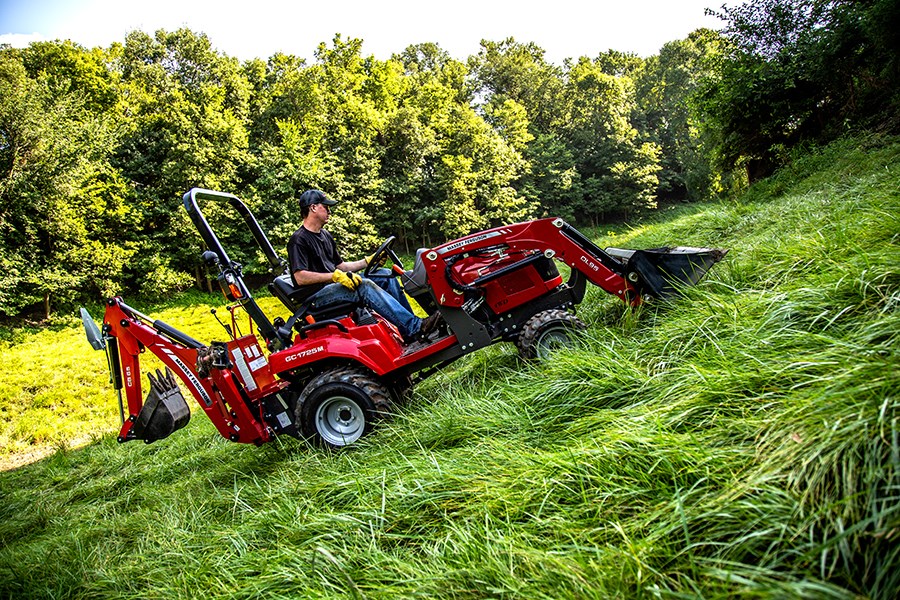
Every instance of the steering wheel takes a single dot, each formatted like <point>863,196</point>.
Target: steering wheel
<point>384,250</point>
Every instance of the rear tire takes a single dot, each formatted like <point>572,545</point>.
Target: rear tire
<point>342,405</point>
<point>547,331</point>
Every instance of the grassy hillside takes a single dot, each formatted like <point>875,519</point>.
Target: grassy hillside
<point>741,441</point>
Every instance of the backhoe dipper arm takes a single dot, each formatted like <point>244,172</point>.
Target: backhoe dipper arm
<point>551,237</point>
<point>134,333</point>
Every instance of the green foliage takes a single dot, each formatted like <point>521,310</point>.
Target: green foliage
<point>188,110</point>
<point>667,89</point>
<point>740,441</point>
<point>801,71</point>
<point>60,195</point>
<point>618,169</point>
<point>587,159</point>
<point>553,179</point>
<point>68,69</point>
<point>98,146</point>
<point>509,70</point>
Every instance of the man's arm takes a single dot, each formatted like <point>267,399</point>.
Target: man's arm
<point>356,265</point>
<point>309,277</point>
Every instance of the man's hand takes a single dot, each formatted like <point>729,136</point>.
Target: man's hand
<point>350,281</point>
<point>381,262</point>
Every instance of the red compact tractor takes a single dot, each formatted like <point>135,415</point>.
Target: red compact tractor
<point>330,374</point>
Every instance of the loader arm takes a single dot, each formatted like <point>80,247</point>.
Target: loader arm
<point>551,238</point>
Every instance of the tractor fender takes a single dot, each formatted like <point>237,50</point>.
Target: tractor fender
<point>375,352</point>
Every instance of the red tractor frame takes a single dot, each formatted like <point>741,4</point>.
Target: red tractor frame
<point>329,375</point>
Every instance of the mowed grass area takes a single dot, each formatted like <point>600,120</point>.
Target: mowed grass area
<point>55,391</point>
<point>741,441</point>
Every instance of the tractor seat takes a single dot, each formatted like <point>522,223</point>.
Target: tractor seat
<point>294,297</point>
<point>415,282</point>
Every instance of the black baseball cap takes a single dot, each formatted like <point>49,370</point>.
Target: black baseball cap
<point>310,197</point>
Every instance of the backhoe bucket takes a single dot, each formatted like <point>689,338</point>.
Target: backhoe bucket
<point>165,410</point>
<point>661,272</point>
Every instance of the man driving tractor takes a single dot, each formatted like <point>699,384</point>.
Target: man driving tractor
<point>316,264</point>
<point>333,371</point>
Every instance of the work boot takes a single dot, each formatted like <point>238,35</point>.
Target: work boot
<point>430,324</point>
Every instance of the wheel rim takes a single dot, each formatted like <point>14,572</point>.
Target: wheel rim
<point>340,421</point>
<point>551,340</point>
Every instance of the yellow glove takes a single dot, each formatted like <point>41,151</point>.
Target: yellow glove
<point>381,262</point>
<point>350,281</point>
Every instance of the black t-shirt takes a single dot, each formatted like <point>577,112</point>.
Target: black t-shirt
<point>316,252</point>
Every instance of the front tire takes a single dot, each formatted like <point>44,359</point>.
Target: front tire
<point>547,331</point>
<point>342,405</point>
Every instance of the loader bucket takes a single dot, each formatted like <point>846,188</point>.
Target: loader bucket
<point>661,272</point>
<point>165,410</point>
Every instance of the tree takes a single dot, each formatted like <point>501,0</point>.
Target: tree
<point>666,91</point>
<point>509,70</point>
<point>584,156</point>
<point>458,169</point>
<point>333,115</point>
<point>396,141</point>
<point>189,109</point>
<point>620,64</point>
<point>67,69</point>
<point>416,136</point>
<point>270,100</point>
<point>523,97</point>
<point>803,71</point>
<point>58,193</point>
<point>618,169</point>
<point>552,180</point>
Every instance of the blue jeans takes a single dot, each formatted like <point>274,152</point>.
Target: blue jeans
<point>371,296</point>
<point>386,280</point>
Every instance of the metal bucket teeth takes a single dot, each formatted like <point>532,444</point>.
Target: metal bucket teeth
<point>165,410</point>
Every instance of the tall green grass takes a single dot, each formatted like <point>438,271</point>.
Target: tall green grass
<point>741,441</point>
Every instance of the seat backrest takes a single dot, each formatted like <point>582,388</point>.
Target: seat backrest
<point>291,295</point>
<point>416,281</point>
<point>295,296</point>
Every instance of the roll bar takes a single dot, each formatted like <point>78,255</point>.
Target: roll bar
<point>230,270</point>
<point>206,232</point>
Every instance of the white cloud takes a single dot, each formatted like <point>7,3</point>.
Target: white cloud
<point>21,40</point>
<point>563,28</point>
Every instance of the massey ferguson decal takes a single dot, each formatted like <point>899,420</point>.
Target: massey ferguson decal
<point>190,377</point>
<point>471,240</point>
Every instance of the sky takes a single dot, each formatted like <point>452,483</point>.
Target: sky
<point>260,28</point>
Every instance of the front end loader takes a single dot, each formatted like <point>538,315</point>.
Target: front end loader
<point>330,374</point>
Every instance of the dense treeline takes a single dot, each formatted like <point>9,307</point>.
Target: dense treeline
<point>97,146</point>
